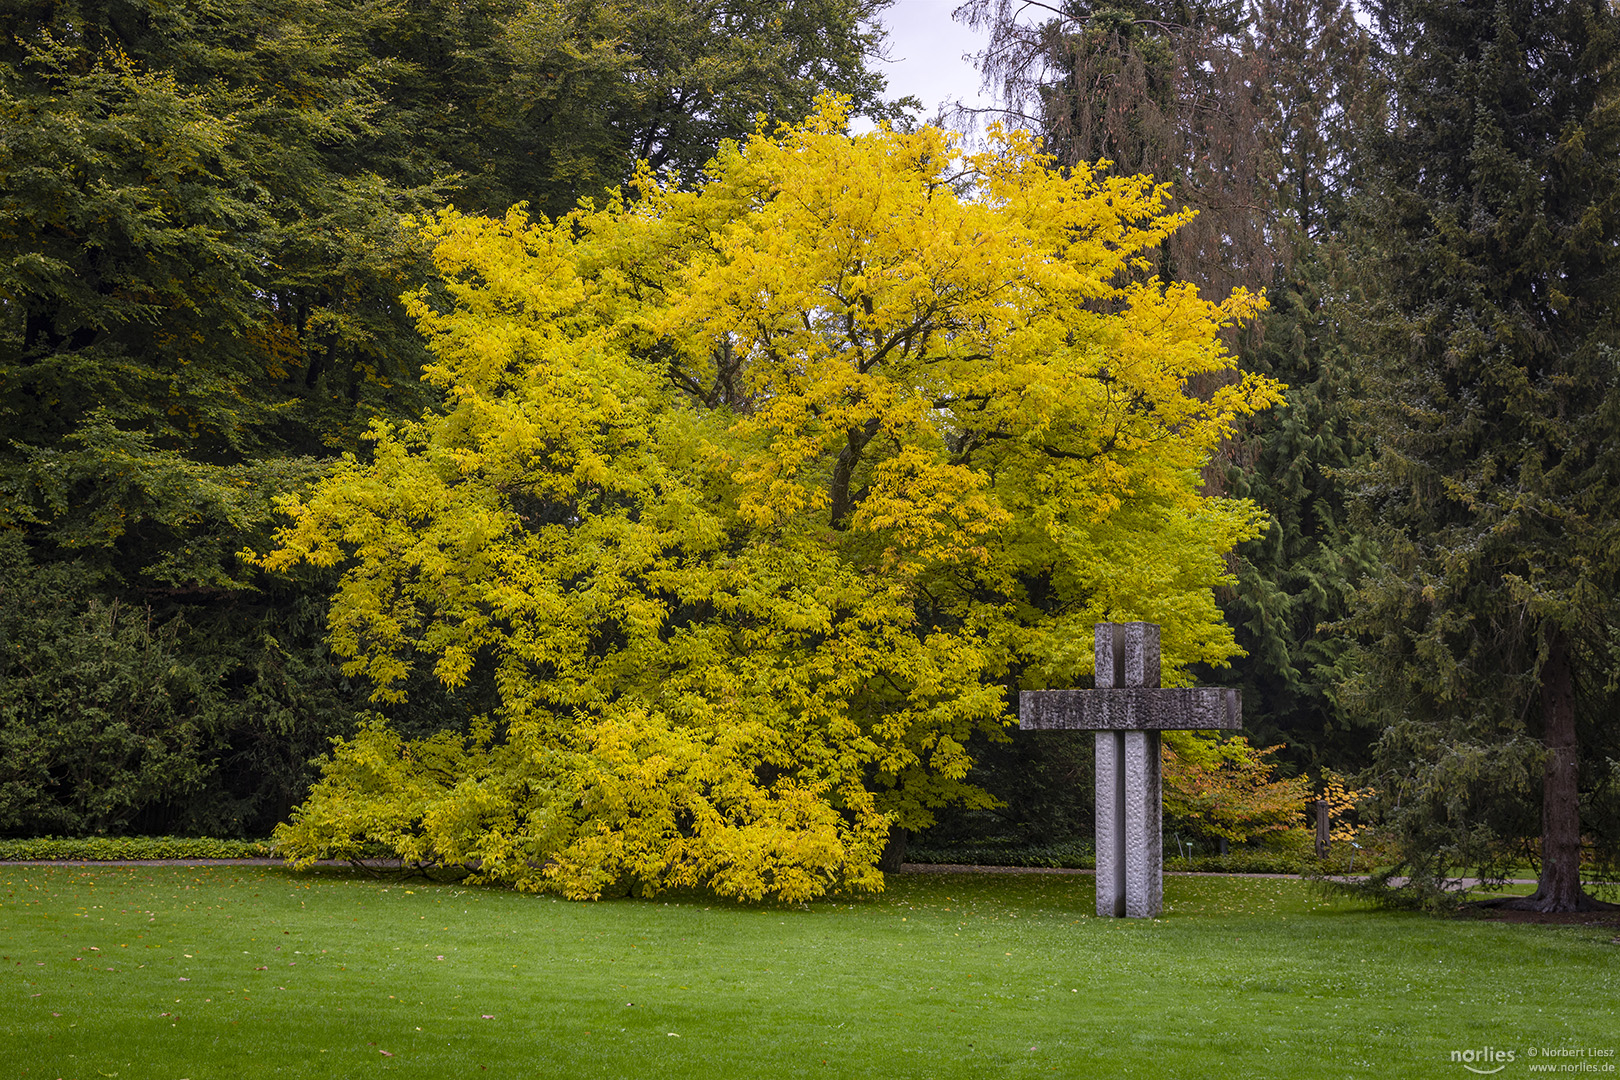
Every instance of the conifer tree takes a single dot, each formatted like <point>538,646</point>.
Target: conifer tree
<point>1165,88</point>
<point>1294,581</point>
<point>1494,401</point>
<point>201,264</point>
<point>1250,111</point>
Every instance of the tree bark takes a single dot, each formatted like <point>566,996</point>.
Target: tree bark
<point>1559,886</point>
<point>894,852</point>
<point>844,471</point>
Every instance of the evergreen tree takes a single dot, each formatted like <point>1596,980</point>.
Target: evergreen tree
<point>1249,111</point>
<point>545,102</point>
<point>199,279</point>
<point>203,245</point>
<point>1494,402</point>
<point>1295,582</point>
<point>1166,88</point>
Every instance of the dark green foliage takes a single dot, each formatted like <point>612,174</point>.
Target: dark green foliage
<point>119,848</point>
<point>1295,582</point>
<point>192,250</point>
<point>115,716</point>
<point>204,236</point>
<point>571,94</point>
<point>1043,783</point>
<point>97,716</point>
<point>1493,272</point>
<point>185,714</point>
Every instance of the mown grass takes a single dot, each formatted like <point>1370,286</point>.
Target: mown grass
<point>236,972</point>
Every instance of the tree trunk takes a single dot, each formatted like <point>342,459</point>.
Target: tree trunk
<point>894,852</point>
<point>1559,888</point>
<point>844,471</point>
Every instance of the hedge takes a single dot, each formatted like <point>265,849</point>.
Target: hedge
<point>107,848</point>
<point>1078,856</point>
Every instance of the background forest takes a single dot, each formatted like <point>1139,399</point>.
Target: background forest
<point>203,259</point>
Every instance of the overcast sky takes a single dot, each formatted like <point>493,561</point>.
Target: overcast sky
<point>926,50</point>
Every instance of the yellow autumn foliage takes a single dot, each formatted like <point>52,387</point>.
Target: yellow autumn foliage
<point>1224,787</point>
<point>759,498</point>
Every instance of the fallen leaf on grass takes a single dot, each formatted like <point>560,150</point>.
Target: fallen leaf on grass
<point>385,1053</point>
<point>487,1016</point>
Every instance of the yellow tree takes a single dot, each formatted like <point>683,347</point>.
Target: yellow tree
<point>759,497</point>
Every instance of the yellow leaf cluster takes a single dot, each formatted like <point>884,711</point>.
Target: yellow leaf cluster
<point>1224,787</point>
<point>755,499</point>
<point>1342,802</point>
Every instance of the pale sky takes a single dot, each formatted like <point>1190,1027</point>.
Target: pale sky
<point>926,48</point>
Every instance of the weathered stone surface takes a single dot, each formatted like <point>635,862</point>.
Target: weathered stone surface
<point>1144,842</point>
<point>1127,711</point>
<point>1110,823</point>
<point>1131,709</point>
<point>1126,654</point>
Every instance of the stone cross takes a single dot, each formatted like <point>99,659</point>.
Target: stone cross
<point>1127,711</point>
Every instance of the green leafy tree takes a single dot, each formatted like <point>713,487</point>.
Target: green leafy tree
<point>546,102</point>
<point>202,258</point>
<point>1494,400</point>
<point>759,498</point>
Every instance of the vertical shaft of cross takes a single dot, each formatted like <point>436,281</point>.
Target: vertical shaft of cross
<point>1130,855</point>
<point>1110,823</point>
<point>1144,842</point>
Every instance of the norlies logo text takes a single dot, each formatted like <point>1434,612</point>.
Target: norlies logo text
<point>1487,1056</point>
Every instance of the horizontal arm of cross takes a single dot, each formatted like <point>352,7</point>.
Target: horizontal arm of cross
<point>1131,709</point>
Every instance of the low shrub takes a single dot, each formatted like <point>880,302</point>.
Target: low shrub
<point>110,848</point>
<point>1073,855</point>
<point>1244,862</point>
<point>1078,856</point>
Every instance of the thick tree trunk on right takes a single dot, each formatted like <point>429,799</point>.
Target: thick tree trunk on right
<point>1559,887</point>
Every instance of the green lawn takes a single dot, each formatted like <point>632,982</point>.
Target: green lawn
<point>238,972</point>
